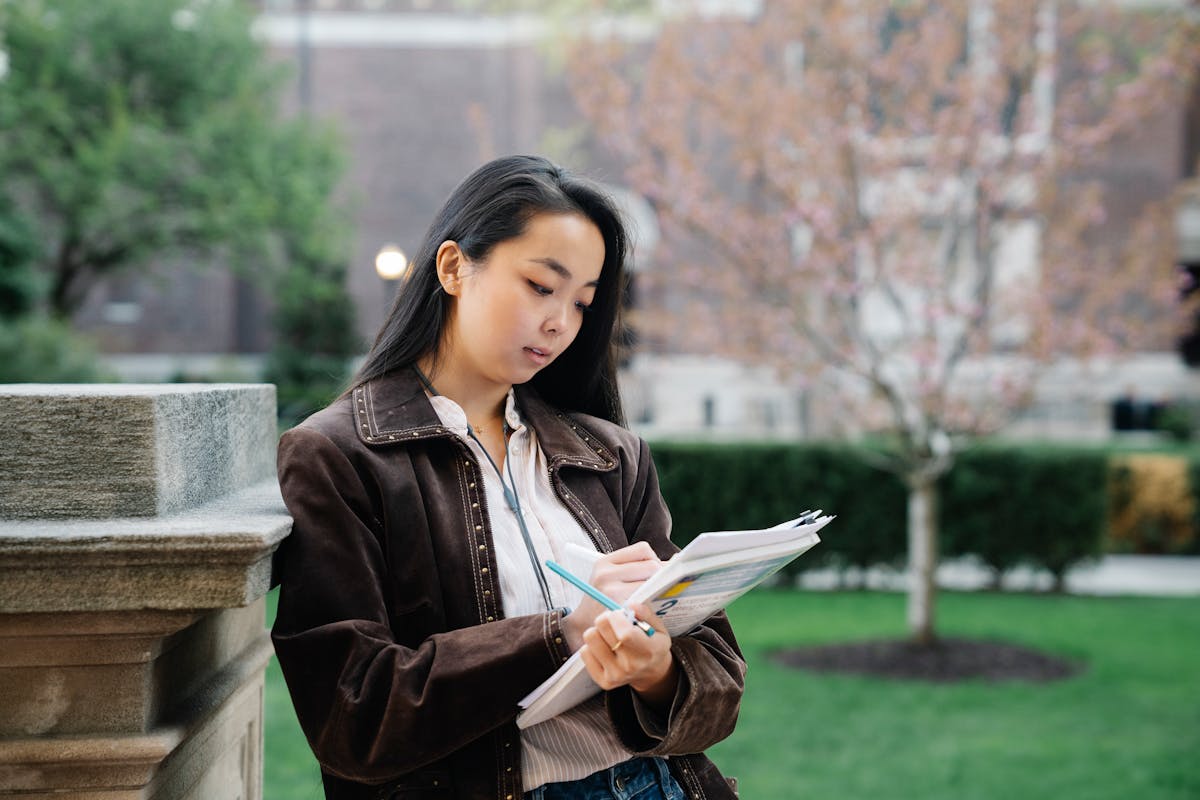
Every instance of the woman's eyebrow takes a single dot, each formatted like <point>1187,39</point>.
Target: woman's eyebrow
<point>561,270</point>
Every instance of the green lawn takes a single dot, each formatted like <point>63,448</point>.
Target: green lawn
<point>289,770</point>
<point>1129,726</point>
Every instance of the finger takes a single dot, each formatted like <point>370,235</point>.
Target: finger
<point>637,649</point>
<point>638,551</point>
<point>618,625</point>
<point>599,667</point>
<point>609,636</point>
<point>587,654</point>
<point>632,570</point>
<point>619,582</point>
<point>619,631</point>
<point>603,643</point>
<point>646,614</point>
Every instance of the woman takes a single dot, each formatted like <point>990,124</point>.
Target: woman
<point>481,437</point>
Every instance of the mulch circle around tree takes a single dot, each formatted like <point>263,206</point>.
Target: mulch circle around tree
<point>946,661</point>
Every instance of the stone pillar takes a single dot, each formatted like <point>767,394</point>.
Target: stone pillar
<point>137,525</point>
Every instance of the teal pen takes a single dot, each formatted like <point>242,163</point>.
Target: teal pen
<point>599,596</point>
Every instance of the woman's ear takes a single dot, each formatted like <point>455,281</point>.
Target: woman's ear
<point>450,264</point>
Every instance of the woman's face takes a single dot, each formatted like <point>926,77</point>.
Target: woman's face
<point>524,304</point>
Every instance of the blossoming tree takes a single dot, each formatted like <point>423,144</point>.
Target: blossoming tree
<point>889,201</point>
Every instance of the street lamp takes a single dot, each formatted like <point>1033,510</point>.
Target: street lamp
<point>390,265</point>
<point>390,262</point>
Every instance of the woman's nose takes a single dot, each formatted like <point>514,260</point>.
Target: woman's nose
<point>557,321</point>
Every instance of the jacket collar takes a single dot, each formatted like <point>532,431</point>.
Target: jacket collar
<point>394,408</point>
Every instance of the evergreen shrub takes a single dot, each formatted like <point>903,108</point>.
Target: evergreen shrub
<point>980,510</point>
<point>737,486</point>
<point>1019,505</point>
<point>1064,522</point>
<point>37,349</point>
<point>1005,505</point>
<point>315,338</point>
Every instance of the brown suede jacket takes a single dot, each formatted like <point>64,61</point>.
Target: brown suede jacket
<point>403,669</point>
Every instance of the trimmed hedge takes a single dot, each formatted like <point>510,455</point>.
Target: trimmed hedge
<point>1006,505</point>
<point>1013,506</point>
<point>731,487</point>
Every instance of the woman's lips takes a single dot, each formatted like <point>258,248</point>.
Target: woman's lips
<point>538,355</point>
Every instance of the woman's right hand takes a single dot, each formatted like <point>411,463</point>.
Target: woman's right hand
<point>617,575</point>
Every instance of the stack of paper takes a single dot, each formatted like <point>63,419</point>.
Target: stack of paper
<point>711,572</point>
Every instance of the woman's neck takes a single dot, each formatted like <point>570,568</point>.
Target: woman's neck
<point>482,401</point>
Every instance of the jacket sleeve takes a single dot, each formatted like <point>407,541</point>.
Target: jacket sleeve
<point>711,669</point>
<point>371,708</point>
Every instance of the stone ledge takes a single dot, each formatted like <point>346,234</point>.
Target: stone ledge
<point>71,751</point>
<point>174,753</point>
<point>94,451</point>
<point>51,765</point>
<point>138,526</point>
<point>214,556</point>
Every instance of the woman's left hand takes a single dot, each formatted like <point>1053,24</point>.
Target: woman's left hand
<point>617,653</point>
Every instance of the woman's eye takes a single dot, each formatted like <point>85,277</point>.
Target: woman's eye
<point>583,307</point>
<point>542,290</point>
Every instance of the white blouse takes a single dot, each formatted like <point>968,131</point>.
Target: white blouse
<point>581,741</point>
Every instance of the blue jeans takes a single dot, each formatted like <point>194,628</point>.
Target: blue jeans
<point>636,779</point>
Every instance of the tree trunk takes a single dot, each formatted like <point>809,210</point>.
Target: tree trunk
<point>922,560</point>
<point>65,297</point>
<point>1060,581</point>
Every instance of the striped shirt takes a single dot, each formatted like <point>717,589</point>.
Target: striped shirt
<point>581,741</point>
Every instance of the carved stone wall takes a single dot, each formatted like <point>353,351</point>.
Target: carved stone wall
<point>137,525</point>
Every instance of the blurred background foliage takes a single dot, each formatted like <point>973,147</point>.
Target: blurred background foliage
<point>137,130</point>
<point>1152,501</point>
<point>315,338</point>
<point>133,132</point>
<point>33,347</point>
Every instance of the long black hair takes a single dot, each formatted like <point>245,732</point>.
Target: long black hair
<point>492,205</point>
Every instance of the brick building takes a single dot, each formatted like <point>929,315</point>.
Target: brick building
<point>423,91</point>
